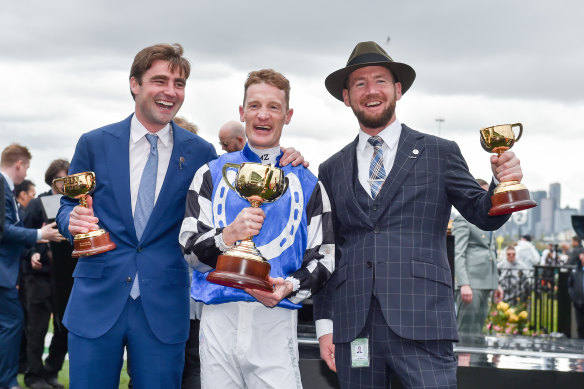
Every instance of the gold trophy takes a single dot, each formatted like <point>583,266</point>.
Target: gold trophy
<point>509,196</point>
<point>78,186</point>
<point>243,266</point>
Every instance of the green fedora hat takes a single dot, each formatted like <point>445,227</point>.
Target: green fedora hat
<point>369,54</point>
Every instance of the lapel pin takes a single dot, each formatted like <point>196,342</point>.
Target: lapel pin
<point>180,162</point>
<point>414,154</point>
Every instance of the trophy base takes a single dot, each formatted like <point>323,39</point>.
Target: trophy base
<point>240,273</point>
<point>511,201</point>
<point>92,243</point>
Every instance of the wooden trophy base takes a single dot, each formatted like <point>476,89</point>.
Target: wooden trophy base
<point>510,201</point>
<point>240,273</point>
<point>94,242</point>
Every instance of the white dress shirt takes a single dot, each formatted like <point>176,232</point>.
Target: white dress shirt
<point>139,152</point>
<point>390,136</point>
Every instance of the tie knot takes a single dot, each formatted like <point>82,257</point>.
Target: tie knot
<point>153,139</point>
<point>375,141</point>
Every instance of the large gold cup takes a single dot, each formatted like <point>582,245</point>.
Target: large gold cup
<point>78,186</point>
<point>509,196</point>
<point>243,266</point>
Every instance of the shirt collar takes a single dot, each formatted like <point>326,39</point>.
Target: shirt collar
<point>8,181</point>
<point>138,131</point>
<point>251,156</point>
<point>389,134</point>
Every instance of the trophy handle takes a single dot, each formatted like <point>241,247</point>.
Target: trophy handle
<point>520,130</point>
<point>227,166</point>
<point>59,188</point>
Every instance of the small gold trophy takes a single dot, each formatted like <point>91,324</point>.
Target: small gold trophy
<point>78,186</point>
<point>243,266</point>
<point>509,196</point>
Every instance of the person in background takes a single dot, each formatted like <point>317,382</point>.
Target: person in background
<point>475,270</point>
<point>526,251</point>
<point>232,136</point>
<point>14,164</point>
<point>576,292</point>
<point>184,123</point>
<point>575,250</point>
<point>24,192</point>
<point>44,292</point>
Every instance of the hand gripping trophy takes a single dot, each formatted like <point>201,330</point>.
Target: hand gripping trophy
<point>243,266</point>
<point>78,186</point>
<point>509,196</point>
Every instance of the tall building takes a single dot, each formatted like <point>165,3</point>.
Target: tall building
<point>534,214</point>
<point>556,194</point>
<point>546,224</point>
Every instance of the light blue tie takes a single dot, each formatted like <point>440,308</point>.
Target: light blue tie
<point>145,201</point>
<point>376,170</point>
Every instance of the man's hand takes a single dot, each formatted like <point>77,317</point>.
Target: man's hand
<point>282,288</point>
<point>49,232</point>
<point>498,294</point>
<point>291,155</point>
<point>506,167</point>
<point>82,220</point>
<point>327,351</point>
<point>35,261</point>
<point>247,223</point>
<point>466,294</point>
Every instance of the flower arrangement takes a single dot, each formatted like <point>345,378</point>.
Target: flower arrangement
<point>506,319</point>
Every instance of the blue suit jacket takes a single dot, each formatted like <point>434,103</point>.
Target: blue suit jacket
<point>15,238</point>
<point>102,282</point>
<point>401,254</point>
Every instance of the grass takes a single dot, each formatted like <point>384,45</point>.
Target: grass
<point>64,376</point>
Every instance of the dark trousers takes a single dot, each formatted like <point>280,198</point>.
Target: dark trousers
<point>11,318</point>
<point>39,305</point>
<point>191,378</point>
<point>417,364</point>
<point>579,310</point>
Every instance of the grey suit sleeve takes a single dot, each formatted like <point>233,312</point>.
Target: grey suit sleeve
<point>461,232</point>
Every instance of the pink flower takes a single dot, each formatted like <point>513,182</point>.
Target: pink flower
<point>494,313</point>
<point>489,325</point>
<point>508,330</point>
<point>497,328</point>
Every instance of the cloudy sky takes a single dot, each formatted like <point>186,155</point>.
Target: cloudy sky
<point>65,68</point>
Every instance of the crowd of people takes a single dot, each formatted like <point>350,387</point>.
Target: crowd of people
<point>362,239</point>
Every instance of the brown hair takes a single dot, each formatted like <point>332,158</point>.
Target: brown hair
<point>14,153</point>
<point>184,123</point>
<point>270,77</point>
<point>55,167</point>
<point>163,51</point>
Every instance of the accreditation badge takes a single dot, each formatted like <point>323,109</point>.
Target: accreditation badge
<point>360,352</point>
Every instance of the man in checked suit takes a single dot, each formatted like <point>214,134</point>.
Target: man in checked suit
<point>475,272</point>
<point>390,299</point>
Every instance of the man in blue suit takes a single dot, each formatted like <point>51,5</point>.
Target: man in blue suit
<point>14,164</point>
<point>137,295</point>
<point>391,189</point>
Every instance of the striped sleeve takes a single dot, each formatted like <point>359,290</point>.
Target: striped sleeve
<point>200,241</point>
<point>318,262</point>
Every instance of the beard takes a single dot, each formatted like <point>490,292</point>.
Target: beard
<point>378,121</point>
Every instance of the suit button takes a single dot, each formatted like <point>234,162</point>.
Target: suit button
<point>139,249</point>
<point>374,207</point>
<point>369,265</point>
<point>128,280</point>
<point>376,230</point>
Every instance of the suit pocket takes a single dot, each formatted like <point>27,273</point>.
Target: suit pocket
<point>86,269</point>
<point>430,271</point>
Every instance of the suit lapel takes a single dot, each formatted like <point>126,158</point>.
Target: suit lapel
<point>409,149</point>
<point>175,174</point>
<point>117,152</point>
<point>349,164</point>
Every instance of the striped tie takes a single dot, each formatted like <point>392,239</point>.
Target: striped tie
<point>145,201</point>
<point>376,169</point>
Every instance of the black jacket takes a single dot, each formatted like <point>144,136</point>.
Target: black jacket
<point>576,287</point>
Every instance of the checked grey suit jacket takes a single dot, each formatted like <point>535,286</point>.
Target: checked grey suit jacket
<point>401,255</point>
